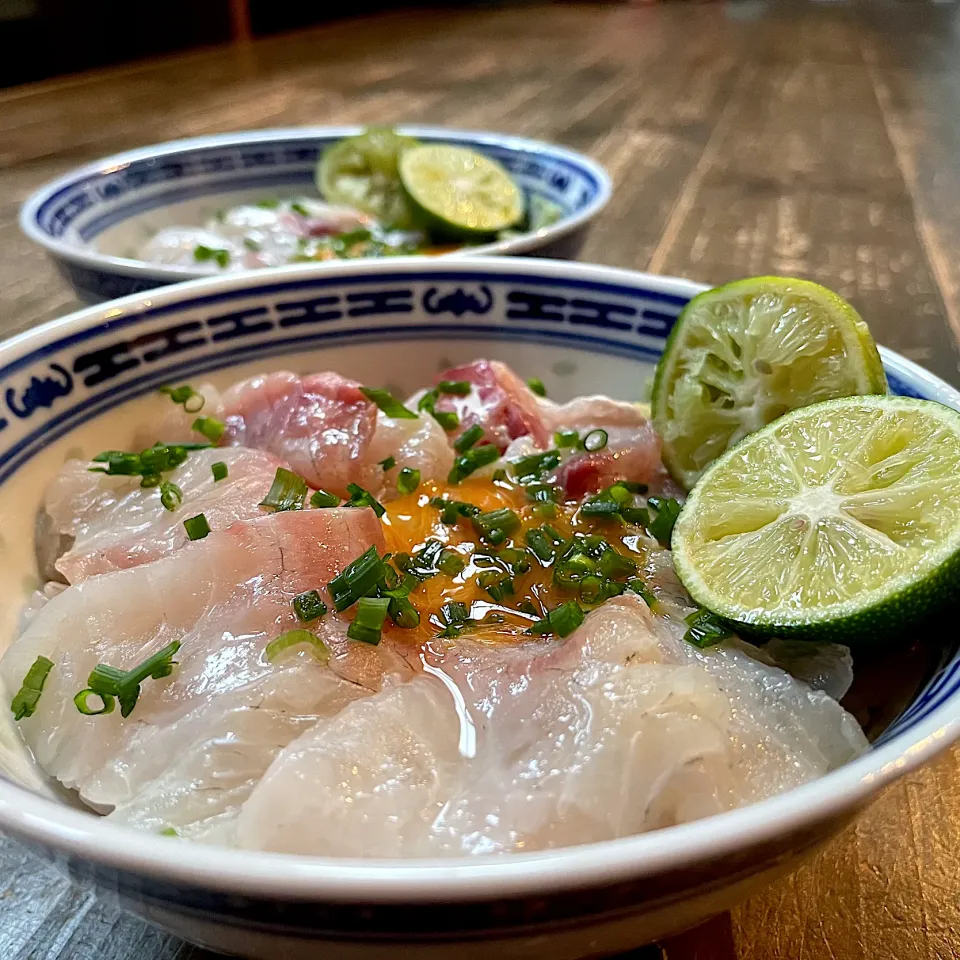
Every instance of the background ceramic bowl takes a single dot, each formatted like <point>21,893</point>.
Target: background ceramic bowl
<point>92,220</point>
<point>83,382</point>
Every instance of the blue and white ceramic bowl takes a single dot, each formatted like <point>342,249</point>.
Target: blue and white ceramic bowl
<point>81,383</point>
<point>92,220</point>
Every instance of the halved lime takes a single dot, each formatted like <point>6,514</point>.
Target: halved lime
<point>743,354</point>
<point>838,521</point>
<point>460,193</point>
<point>361,172</point>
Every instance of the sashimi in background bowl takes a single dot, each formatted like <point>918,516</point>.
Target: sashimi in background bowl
<point>92,220</point>
<point>83,383</point>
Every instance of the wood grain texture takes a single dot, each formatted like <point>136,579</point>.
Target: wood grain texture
<point>810,139</point>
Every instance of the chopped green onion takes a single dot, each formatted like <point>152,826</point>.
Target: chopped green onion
<point>323,499</point>
<point>562,620</point>
<point>151,480</point>
<point>455,612</point>
<point>388,463</point>
<point>287,492</point>
<point>599,507</point>
<point>293,638</point>
<point>468,438</point>
<point>268,204</point>
<point>82,703</point>
<point>210,427</point>
<point>428,403</point>
<point>458,388</point>
<point>105,680</point>
<point>299,208</point>
<point>309,606</point>
<point>408,480</point>
<point>197,527</point>
<point>403,613</point>
<point>566,438</point>
<point>25,700</point>
<point>447,419</point>
<point>219,471</point>
<point>661,526</point>
<point>252,245</point>
<point>595,440</point>
<point>451,563</point>
<point>497,584</point>
<point>638,516</point>
<point>171,496</point>
<point>706,629</point>
<point>638,587</point>
<point>472,460</point>
<point>186,397</point>
<point>536,386</point>
<point>363,498</point>
<point>202,253</point>
<point>452,510</point>
<point>591,589</point>
<point>368,623</point>
<point>388,403</point>
<point>500,476</point>
<point>535,465</point>
<point>356,580</point>
<point>496,525</point>
<point>542,546</point>
<point>615,566</point>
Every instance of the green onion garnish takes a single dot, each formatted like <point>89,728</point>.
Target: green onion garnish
<point>595,440</point>
<point>535,465</point>
<point>536,386</point>
<point>368,623</point>
<point>299,208</point>
<point>197,527</point>
<point>542,546</point>
<point>202,253</point>
<point>408,480</point>
<point>356,580</point>
<point>451,563</point>
<point>471,461</point>
<point>495,525</point>
<point>309,606</point>
<point>600,507</point>
<point>388,463</point>
<point>388,403</point>
<point>428,403</point>
<point>452,510</point>
<point>468,438</point>
<point>219,471</point>
<point>566,438</point>
<point>169,832</point>
<point>638,587</point>
<point>287,492</point>
<point>252,245</point>
<point>25,699</point>
<point>447,419</point>
<point>109,681</point>
<point>661,526</point>
<point>82,703</point>
<point>458,388</point>
<point>497,584</point>
<point>363,498</point>
<point>210,427</point>
<point>615,566</point>
<point>323,499</point>
<point>293,638</point>
<point>185,397</point>
<point>171,496</point>
<point>706,629</point>
<point>562,620</point>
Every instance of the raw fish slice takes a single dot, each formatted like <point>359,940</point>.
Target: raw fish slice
<point>419,444</point>
<point>500,402</point>
<point>225,707</point>
<point>624,727</point>
<point>115,523</point>
<point>321,424</point>
<point>174,425</point>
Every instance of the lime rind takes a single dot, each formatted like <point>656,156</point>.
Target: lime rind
<point>771,542</point>
<point>743,354</point>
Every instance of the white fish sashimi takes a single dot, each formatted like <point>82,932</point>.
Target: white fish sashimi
<point>321,424</point>
<point>419,444</point>
<point>115,523</point>
<point>199,740</point>
<point>622,728</point>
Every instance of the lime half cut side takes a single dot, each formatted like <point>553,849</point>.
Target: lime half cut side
<point>839,521</point>
<point>459,193</point>
<point>743,354</point>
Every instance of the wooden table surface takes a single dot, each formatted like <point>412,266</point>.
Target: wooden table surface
<point>817,140</point>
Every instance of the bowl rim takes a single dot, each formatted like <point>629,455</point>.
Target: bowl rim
<point>130,267</point>
<point>833,797</point>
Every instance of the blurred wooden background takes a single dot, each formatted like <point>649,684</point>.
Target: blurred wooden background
<point>813,139</point>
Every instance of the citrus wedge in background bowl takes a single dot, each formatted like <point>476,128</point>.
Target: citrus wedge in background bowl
<point>838,522</point>
<point>743,354</point>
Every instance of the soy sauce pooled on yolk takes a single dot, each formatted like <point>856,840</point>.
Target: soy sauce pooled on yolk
<point>411,521</point>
